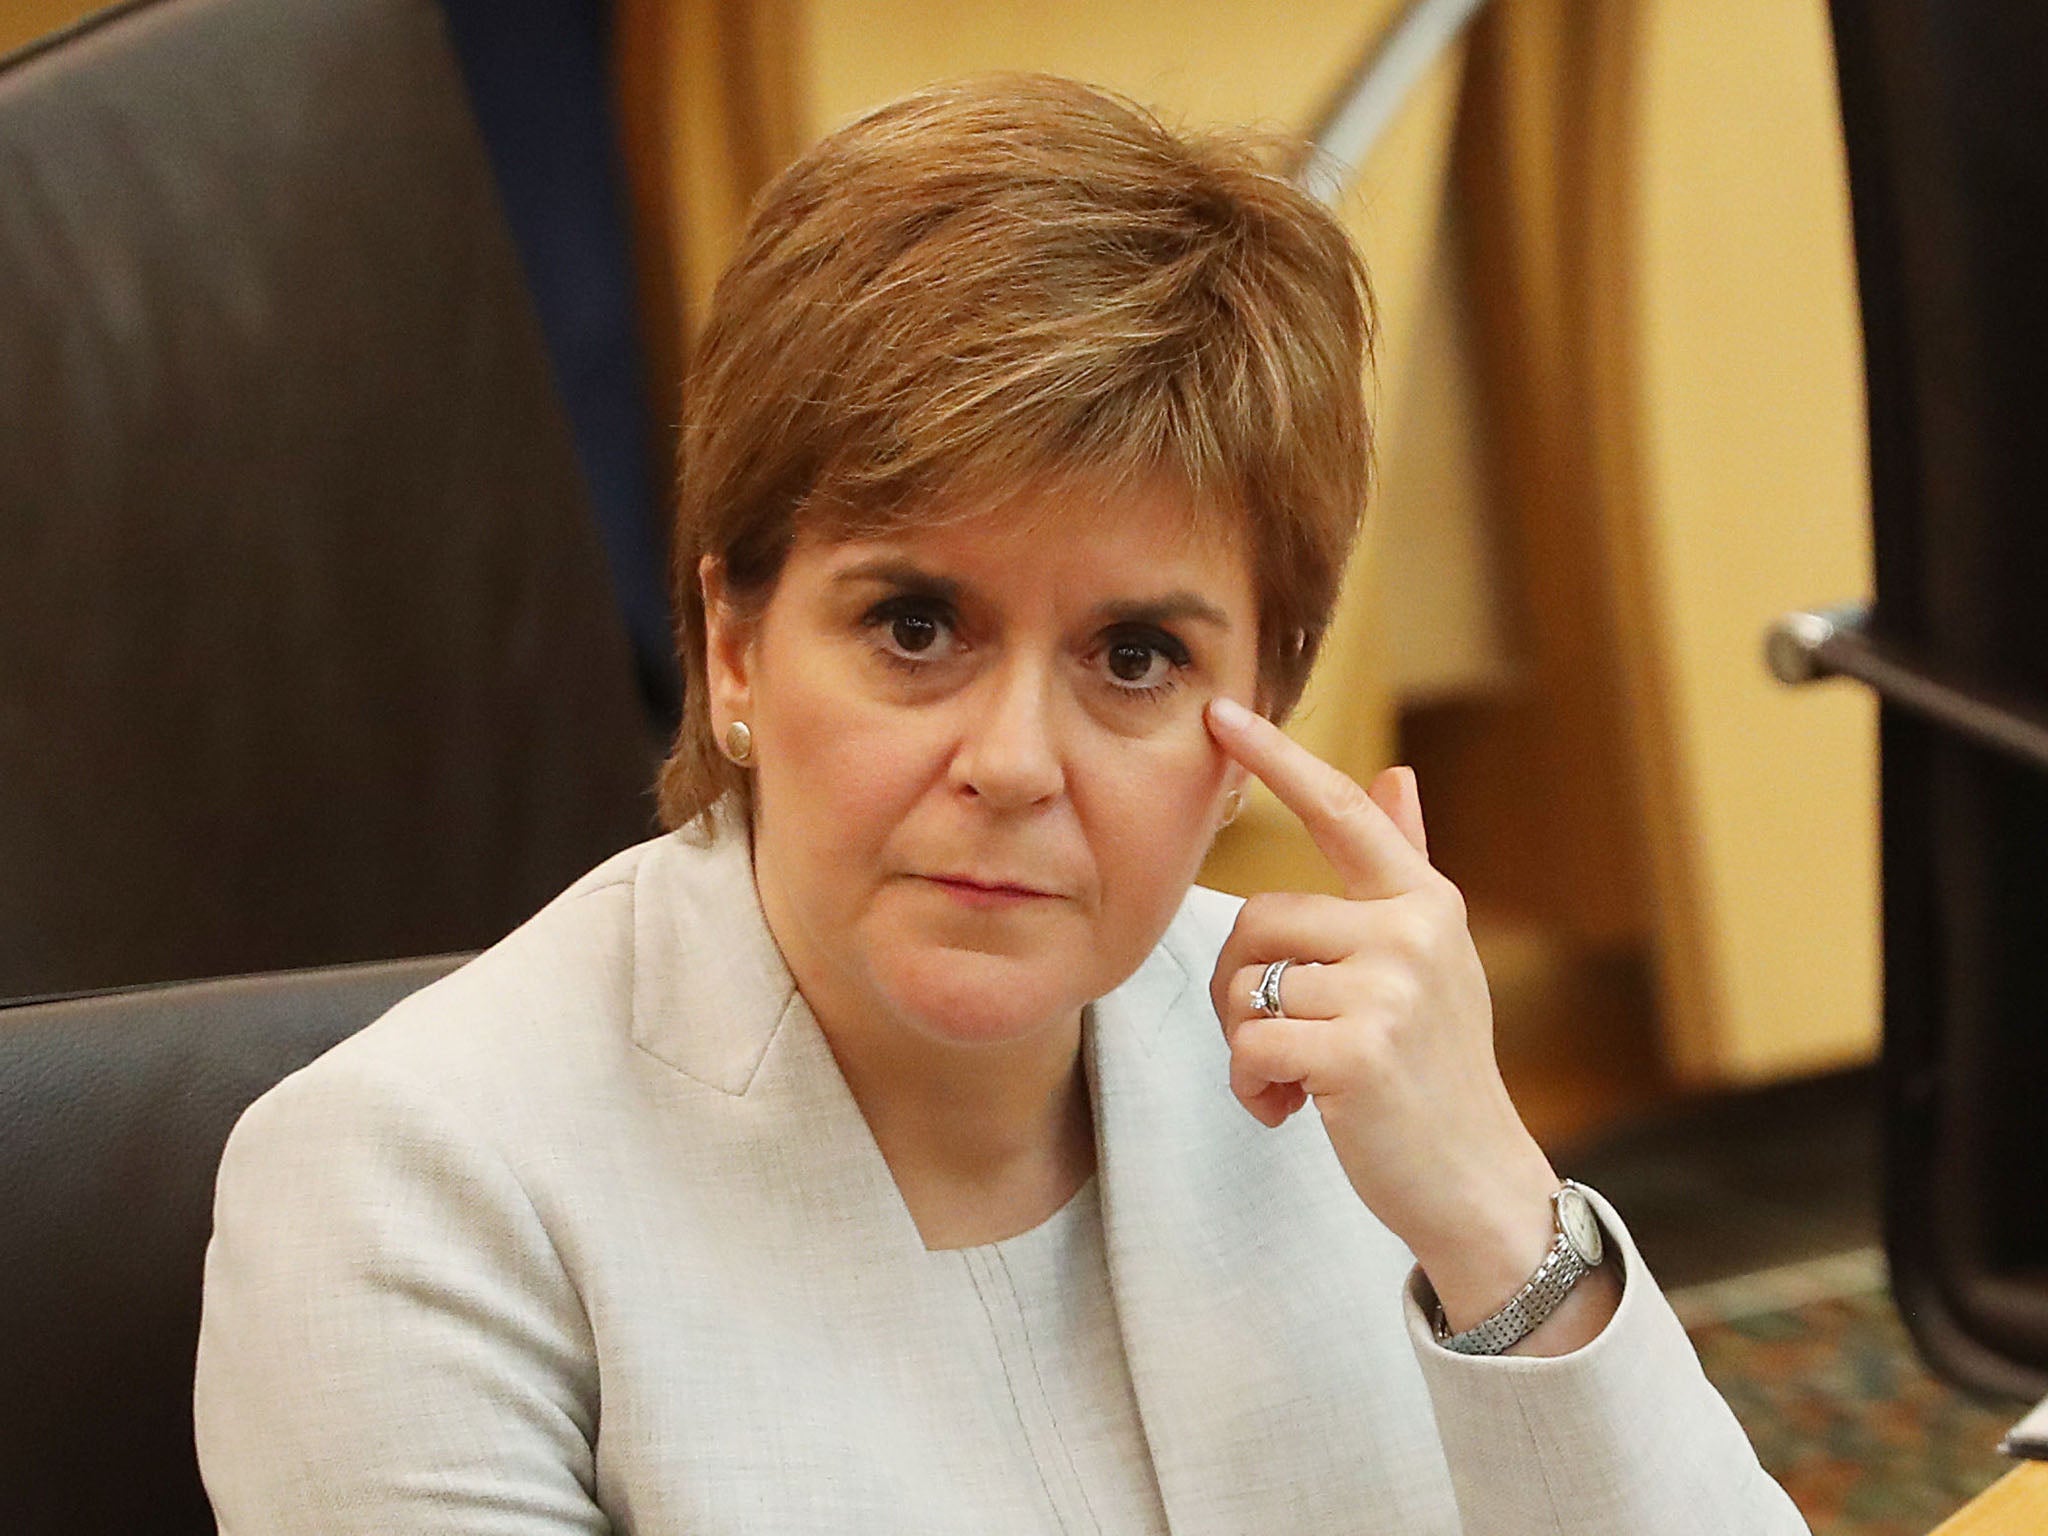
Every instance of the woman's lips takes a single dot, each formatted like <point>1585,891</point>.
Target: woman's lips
<point>986,895</point>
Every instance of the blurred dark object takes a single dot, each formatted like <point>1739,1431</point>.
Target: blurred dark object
<point>1737,1182</point>
<point>113,1113</point>
<point>307,647</point>
<point>1947,129</point>
<point>542,99</point>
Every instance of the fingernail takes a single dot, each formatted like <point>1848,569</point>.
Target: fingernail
<point>1229,713</point>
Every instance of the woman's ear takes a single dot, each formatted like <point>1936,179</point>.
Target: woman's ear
<point>728,649</point>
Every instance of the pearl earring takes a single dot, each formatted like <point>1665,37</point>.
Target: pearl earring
<point>739,742</point>
<point>1232,804</point>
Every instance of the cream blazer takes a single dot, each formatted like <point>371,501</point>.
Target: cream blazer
<point>590,1236</point>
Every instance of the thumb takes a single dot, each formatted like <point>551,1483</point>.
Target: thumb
<point>1394,791</point>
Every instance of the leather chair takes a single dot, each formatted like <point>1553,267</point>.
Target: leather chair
<point>1947,131</point>
<point>308,648</point>
<point>113,1112</point>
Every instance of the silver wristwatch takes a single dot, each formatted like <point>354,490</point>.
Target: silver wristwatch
<point>1578,1248</point>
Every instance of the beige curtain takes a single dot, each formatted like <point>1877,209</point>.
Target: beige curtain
<point>709,95</point>
<point>1656,272</point>
<point>1537,783</point>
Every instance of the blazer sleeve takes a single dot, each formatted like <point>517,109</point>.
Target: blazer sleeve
<point>1622,1436</point>
<point>389,1340</point>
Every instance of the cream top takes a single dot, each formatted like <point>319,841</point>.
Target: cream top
<point>1053,1322</point>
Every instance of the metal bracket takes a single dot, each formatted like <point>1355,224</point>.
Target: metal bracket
<point>1806,646</point>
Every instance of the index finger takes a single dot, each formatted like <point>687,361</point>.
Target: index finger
<point>1371,855</point>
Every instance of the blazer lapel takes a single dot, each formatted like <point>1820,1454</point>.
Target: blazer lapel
<point>710,990</point>
<point>713,999</point>
<point>1247,1278</point>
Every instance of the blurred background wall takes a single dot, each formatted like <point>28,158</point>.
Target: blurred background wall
<point>1621,429</point>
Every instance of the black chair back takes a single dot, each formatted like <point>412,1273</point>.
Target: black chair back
<point>308,653</point>
<point>113,1113</point>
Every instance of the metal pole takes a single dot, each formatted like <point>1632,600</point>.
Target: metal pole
<point>1382,82</point>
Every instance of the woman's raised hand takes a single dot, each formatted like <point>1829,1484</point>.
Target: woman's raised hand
<point>1387,1023</point>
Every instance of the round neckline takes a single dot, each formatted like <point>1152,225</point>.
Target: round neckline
<point>1049,1231</point>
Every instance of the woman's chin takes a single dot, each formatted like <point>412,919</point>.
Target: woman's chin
<point>964,998</point>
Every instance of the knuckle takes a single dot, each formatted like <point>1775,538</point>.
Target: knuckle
<point>1260,911</point>
<point>1409,992</point>
<point>1401,1027</point>
<point>1451,900</point>
<point>1269,915</point>
<point>1368,1053</point>
<point>1395,994</point>
<point>1415,934</point>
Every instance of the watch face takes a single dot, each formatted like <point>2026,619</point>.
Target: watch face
<point>1580,1226</point>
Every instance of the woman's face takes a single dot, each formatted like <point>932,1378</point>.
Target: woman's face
<point>982,782</point>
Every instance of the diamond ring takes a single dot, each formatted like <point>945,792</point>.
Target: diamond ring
<point>1266,995</point>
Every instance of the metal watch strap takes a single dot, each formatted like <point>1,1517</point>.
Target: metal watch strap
<point>1562,1268</point>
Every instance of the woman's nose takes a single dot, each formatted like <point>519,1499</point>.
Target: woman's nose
<point>1009,754</point>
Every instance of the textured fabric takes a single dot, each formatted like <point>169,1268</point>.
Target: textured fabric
<point>591,1235</point>
<point>1053,1318</point>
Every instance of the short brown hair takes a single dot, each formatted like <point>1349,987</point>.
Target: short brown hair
<point>1009,278</point>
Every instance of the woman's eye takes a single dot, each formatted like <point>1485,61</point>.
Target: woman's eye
<point>1133,663</point>
<point>914,633</point>
<point>911,630</point>
<point>1143,663</point>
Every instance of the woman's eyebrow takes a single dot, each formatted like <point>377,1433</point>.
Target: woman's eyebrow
<point>1173,607</point>
<point>908,576</point>
<point>897,572</point>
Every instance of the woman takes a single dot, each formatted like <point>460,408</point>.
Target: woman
<point>865,1155</point>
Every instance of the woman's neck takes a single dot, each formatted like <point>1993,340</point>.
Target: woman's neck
<point>983,1142</point>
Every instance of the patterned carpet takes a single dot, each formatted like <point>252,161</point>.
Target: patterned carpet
<point>1816,1364</point>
